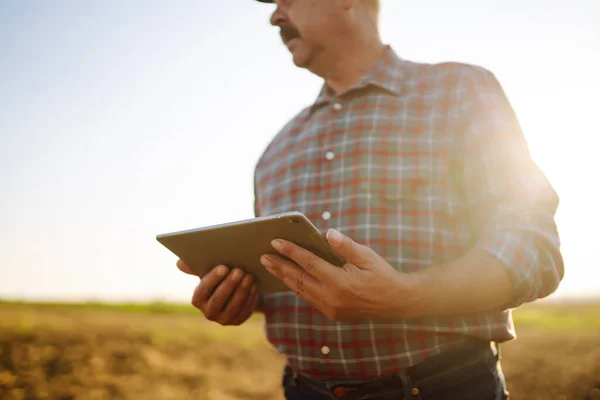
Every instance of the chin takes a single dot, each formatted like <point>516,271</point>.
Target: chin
<point>300,63</point>
<point>301,60</point>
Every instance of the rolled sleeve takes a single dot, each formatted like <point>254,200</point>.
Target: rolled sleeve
<point>533,268</point>
<point>511,203</point>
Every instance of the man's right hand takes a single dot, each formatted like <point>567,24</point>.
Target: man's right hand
<point>223,296</point>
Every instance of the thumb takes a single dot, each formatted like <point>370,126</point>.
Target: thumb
<point>357,254</point>
<point>183,267</point>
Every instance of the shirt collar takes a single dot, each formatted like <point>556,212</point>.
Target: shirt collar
<point>387,74</point>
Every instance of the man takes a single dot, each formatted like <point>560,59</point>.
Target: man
<point>421,178</point>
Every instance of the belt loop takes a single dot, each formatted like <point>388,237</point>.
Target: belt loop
<point>407,385</point>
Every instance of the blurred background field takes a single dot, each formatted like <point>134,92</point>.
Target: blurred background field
<point>167,351</point>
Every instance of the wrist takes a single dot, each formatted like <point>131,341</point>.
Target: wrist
<point>408,295</point>
<point>421,295</point>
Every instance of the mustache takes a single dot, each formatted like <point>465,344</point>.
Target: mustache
<point>288,32</point>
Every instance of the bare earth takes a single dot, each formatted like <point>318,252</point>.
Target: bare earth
<point>62,353</point>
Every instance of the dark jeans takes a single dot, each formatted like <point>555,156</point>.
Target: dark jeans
<point>450,375</point>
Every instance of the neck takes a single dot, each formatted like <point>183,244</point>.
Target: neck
<point>348,66</point>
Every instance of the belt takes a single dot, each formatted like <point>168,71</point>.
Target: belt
<point>459,356</point>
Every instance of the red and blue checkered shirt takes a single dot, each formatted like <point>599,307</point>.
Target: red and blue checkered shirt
<point>422,163</point>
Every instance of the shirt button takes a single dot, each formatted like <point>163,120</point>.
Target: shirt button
<point>325,350</point>
<point>337,106</point>
<point>326,215</point>
<point>330,155</point>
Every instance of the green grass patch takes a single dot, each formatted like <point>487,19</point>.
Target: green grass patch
<point>559,316</point>
<point>554,316</point>
<point>145,308</point>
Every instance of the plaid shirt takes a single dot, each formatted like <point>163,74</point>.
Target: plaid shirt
<point>420,162</point>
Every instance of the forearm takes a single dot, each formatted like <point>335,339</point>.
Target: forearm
<point>474,283</point>
<point>504,271</point>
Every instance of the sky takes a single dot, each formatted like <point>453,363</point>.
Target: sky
<point>123,120</point>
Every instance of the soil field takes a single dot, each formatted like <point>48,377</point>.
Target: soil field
<point>159,351</point>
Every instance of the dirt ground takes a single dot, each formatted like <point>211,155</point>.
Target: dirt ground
<point>83,354</point>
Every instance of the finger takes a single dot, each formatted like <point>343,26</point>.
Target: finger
<point>312,264</point>
<point>237,300</point>
<point>248,307</point>
<point>306,286</point>
<point>361,256</point>
<point>216,303</point>
<point>183,267</point>
<point>207,286</point>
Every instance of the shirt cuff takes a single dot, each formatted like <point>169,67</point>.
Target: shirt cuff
<point>517,253</point>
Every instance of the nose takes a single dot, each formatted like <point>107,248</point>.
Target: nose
<point>278,16</point>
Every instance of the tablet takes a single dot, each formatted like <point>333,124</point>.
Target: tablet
<point>240,244</point>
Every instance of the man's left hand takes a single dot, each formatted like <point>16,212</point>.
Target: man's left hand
<point>367,286</point>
